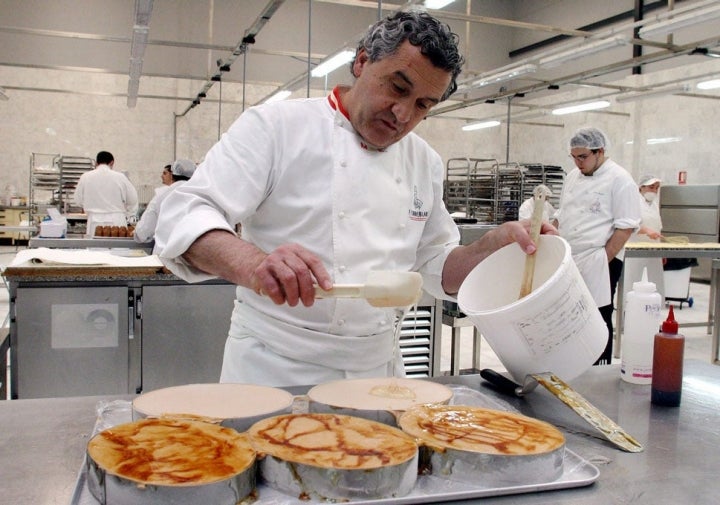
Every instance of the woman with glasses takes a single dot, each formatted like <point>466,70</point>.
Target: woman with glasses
<point>599,210</point>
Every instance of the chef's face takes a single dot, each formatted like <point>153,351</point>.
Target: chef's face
<point>587,160</point>
<point>166,177</point>
<point>392,95</point>
<point>652,188</point>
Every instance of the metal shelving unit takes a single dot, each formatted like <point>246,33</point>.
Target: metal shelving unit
<point>53,178</point>
<point>483,189</point>
<point>551,176</point>
<point>508,192</point>
<point>71,168</point>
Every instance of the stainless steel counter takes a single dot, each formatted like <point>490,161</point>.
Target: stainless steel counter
<point>668,250</point>
<point>82,242</point>
<point>42,442</point>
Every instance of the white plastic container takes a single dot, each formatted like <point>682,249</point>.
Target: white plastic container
<point>643,317</point>
<point>556,328</point>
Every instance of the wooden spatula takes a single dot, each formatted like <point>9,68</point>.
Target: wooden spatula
<point>540,194</point>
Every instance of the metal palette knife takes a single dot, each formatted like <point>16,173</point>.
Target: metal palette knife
<point>581,406</point>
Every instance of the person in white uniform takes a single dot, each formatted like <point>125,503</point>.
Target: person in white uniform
<point>326,190</point>
<point>649,231</point>
<point>528,206</point>
<point>106,196</point>
<point>598,211</point>
<point>180,171</point>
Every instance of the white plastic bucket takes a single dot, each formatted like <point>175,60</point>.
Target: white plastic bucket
<point>556,328</point>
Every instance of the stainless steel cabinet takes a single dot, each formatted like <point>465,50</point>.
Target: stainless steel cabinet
<point>75,342</point>
<point>78,338</point>
<point>693,211</point>
<point>184,330</point>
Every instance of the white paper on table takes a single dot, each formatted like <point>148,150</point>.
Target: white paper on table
<point>49,256</point>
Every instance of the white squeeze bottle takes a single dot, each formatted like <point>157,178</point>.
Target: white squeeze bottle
<point>643,317</point>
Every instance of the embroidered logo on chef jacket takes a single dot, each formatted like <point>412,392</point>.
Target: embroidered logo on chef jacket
<point>416,213</point>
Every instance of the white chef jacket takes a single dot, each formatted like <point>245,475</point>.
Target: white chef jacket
<point>107,197</point>
<point>528,207</point>
<point>633,267</point>
<point>145,228</point>
<point>591,208</point>
<point>296,171</point>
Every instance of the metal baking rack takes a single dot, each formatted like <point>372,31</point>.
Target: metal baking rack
<point>551,176</point>
<point>483,189</point>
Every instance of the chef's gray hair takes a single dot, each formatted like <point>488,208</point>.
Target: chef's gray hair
<point>434,38</point>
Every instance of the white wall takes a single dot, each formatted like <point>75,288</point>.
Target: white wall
<point>690,121</point>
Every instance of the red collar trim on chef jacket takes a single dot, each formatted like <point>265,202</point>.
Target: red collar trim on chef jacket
<point>336,104</point>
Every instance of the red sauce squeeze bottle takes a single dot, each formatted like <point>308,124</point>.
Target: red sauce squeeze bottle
<point>667,371</point>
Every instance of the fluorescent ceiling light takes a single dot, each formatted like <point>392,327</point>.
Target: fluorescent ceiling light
<point>437,4</point>
<point>280,95</point>
<point>691,18</point>
<point>331,64</point>
<point>654,93</point>
<point>504,75</point>
<point>480,125</point>
<point>664,140</point>
<point>713,84</point>
<point>601,104</point>
<point>582,50</point>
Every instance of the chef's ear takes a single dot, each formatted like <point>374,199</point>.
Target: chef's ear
<point>361,58</point>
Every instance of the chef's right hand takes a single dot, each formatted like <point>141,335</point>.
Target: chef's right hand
<point>289,274</point>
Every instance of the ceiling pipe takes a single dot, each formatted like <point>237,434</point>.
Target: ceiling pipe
<point>240,48</point>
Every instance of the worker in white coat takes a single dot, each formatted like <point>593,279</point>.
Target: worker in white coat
<point>327,190</point>
<point>528,207</point>
<point>598,211</point>
<point>106,196</point>
<point>180,171</point>
<point>649,231</point>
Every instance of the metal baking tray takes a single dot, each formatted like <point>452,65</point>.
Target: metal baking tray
<point>577,472</point>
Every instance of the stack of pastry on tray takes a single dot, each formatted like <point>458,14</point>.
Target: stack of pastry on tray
<point>114,231</point>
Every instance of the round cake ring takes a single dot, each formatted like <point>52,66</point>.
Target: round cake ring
<point>373,398</point>
<point>237,406</point>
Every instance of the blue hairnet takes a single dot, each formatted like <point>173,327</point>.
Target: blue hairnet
<point>590,138</point>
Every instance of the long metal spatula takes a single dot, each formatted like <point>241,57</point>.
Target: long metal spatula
<point>382,288</point>
<point>560,389</point>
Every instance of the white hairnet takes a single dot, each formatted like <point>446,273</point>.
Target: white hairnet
<point>648,179</point>
<point>590,138</point>
<point>183,168</point>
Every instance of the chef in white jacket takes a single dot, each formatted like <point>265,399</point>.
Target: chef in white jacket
<point>649,231</point>
<point>180,171</point>
<point>598,212</point>
<point>326,190</point>
<point>106,196</point>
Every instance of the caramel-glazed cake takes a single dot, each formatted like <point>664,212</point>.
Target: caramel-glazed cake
<point>171,452</point>
<point>480,430</point>
<point>334,457</point>
<point>479,445</point>
<point>332,441</point>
